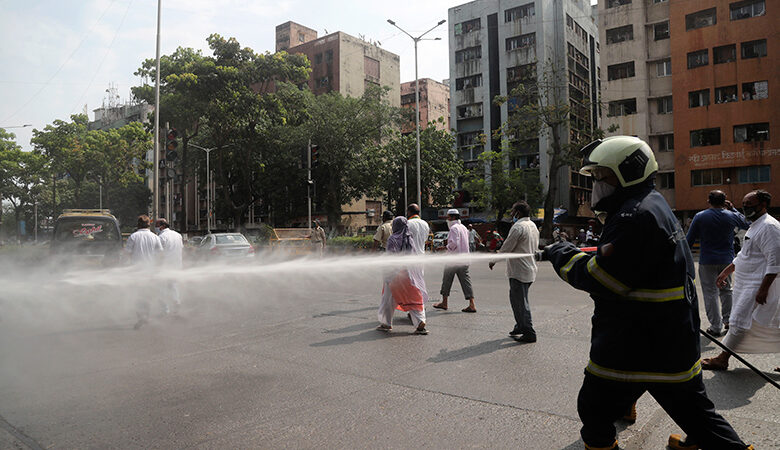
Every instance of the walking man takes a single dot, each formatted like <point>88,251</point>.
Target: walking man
<point>143,247</point>
<point>318,238</point>
<point>474,239</point>
<point>172,247</point>
<point>457,242</point>
<point>646,318</point>
<point>383,231</point>
<point>755,318</point>
<point>714,227</point>
<point>523,238</point>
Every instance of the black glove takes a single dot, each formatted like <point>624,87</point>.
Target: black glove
<point>543,255</point>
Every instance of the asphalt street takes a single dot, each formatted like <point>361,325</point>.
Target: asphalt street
<point>296,362</point>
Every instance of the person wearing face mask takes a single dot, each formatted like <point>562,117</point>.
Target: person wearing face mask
<point>714,227</point>
<point>457,242</point>
<point>645,325</point>
<point>755,316</point>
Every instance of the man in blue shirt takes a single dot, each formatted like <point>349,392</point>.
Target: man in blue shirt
<point>714,227</point>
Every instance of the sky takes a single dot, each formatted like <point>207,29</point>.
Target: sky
<point>61,56</point>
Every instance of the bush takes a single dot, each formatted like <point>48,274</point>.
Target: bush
<point>353,242</point>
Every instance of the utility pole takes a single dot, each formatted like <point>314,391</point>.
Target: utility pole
<point>156,183</point>
<point>308,180</point>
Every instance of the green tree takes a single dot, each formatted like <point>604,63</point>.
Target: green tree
<point>21,174</point>
<point>439,167</point>
<point>349,132</point>
<point>540,108</point>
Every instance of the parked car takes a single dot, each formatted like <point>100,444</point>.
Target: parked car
<point>87,237</point>
<point>225,246</point>
<point>440,240</point>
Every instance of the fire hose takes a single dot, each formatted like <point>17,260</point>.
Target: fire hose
<point>741,359</point>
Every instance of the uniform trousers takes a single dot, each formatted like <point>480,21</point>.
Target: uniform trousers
<point>601,402</point>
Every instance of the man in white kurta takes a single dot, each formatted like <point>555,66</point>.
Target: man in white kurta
<point>419,230</point>
<point>143,248</point>
<point>172,247</point>
<point>754,324</point>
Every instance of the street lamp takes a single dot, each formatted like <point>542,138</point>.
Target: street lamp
<point>417,97</point>
<point>18,126</point>
<point>208,182</point>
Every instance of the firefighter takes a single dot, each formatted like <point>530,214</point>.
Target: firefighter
<point>645,333</point>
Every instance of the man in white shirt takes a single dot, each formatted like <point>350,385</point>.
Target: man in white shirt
<point>172,247</point>
<point>418,227</point>
<point>523,238</point>
<point>457,242</point>
<point>754,323</point>
<point>474,239</point>
<point>143,247</point>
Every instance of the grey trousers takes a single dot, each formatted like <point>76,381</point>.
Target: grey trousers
<point>717,313</point>
<point>518,298</point>
<point>463,276</point>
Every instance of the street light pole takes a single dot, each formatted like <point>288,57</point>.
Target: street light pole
<point>417,98</point>
<point>208,181</point>
<point>156,185</point>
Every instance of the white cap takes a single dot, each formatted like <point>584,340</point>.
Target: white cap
<point>453,211</point>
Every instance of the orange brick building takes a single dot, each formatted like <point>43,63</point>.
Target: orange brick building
<point>726,92</point>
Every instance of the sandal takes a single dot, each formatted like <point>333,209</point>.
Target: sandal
<point>713,364</point>
<point>383,327</point>
<point>438,306</point>
<point>468,309</point>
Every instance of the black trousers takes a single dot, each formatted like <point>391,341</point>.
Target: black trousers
<point>601,402</point>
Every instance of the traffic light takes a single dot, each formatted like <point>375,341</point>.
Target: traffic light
<point>315,156</point>
<point>171,144</point>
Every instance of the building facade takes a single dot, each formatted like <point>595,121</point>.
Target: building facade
<point>434,103</point>
<point>636,65</point>
<point>496,45</point>
<point>725,59</point>
<point>348,65</point>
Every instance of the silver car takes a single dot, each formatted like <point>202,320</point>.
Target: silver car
<point>225,245</point>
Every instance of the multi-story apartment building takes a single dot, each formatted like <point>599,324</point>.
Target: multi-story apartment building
<point>496,45</point>
<point>725,59</point>
<point>637,91</point>
<point>434,103</point>
<point>348,65</point>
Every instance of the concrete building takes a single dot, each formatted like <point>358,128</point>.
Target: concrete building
<point>348,65</point>
<point>725,59</point>
<point>637,88</point>
<point>434,103</point>
<point>496,45</point>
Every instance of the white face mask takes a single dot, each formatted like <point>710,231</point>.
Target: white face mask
<point>601,190</point>
<point>450,223</point>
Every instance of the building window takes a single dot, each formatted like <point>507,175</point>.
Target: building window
<point>698,59</point>
<point>318,58</point>
<point>468,111</point>
<point>329,56</point>
<point>614,3</point>
<point>753,174</point>
<point>660,1</point>
<point>663,68</point>
<point>323,82</point>
<point>724,54</point>
<point>705,137</point>
<point>754,49</point>
<point>522,41</point>
<point>624,107</point>
<point>666,180</point>
<point>619,71</point>
<point>371,68</point>
<point>525,72</point>
<point>747,9</point>
<point>707,177</point>
<point>752,132</point>
<point>620,34</point>
<point>664,105</point>
<point>701,19</point>
<point>301,38</point>
<point>666,143</point>
<point>661,30</point>
<point>569,22</point>
<point>726,94</point>
<point>468,26</point>
<point>755,90</point>
<point>468,54</point>
<point>467,139</point>
<point>698,98</point>
<point>408,98</point>
<point>520,12</point>
<point>468,82</point>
